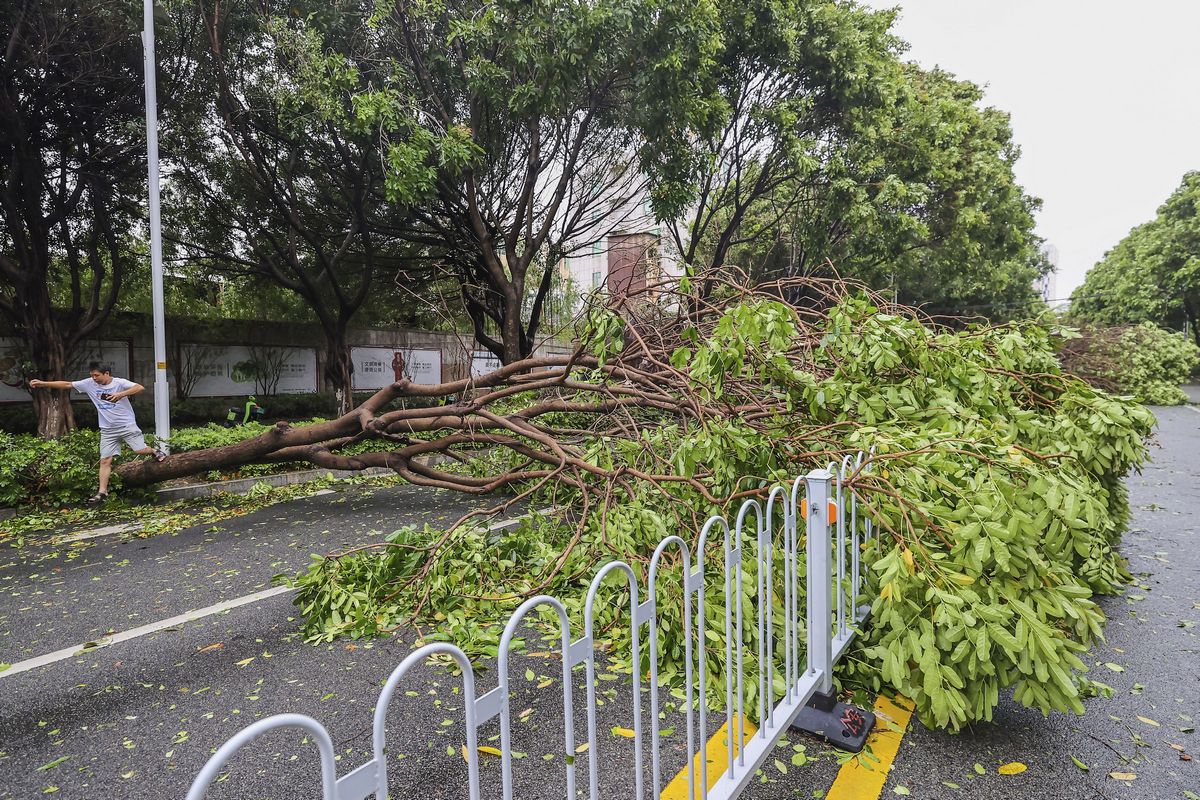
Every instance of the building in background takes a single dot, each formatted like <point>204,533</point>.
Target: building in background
<point>622,249</point>
<point>1047,285</point>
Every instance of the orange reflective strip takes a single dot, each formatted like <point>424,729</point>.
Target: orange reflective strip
<point>832,511</point>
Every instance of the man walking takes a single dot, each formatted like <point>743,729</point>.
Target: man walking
<point>117,424</point>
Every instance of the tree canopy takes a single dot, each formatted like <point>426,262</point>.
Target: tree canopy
<point>440,162</point>
<point>918,196</point>
<point>1153,274</point>
<point>788,138</point>
<point>73,167</point>
<point>510,129</point>
<point>285,185</point>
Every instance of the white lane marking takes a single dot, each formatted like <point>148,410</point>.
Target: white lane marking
<point>144,630</point>
<point>1193,408</point>
<point>93,533</point>
<point>190,616</point>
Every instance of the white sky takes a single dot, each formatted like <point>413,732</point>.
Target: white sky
<point>1104,98</point>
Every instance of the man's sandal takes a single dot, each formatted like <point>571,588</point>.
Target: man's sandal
<point>97,499</point>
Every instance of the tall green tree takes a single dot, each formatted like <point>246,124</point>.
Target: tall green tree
<point>284,183</point>
<point>916,193</point>
<point>72,176</point>
<point>786,83</point>
<point>1153,274</point>
<point>510,128</point>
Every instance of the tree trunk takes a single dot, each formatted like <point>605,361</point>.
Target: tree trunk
<point>339,370</point>
<point>53,406</point>
<point>54,415</point>
<point>1191,312</point>
<point>512,332</point>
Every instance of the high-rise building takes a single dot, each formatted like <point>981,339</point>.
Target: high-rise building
<point>1047,285</point>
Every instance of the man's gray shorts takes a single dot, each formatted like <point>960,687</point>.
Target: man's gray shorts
<point>111,438</point>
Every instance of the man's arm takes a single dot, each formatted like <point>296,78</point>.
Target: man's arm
<point>36,384</point>
<point>129,391</point>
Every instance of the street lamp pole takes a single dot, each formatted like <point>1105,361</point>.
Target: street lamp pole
<point>162,399</point>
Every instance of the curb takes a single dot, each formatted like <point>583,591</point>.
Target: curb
<point>243,485</point>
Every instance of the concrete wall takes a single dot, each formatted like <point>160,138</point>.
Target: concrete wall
<point>135,330</point>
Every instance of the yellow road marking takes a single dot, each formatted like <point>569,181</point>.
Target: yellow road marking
<point>716,758</point>
<point>858,782</point>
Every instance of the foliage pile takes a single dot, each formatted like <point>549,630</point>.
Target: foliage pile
<point>996,486</point>
<point>1143,360</point>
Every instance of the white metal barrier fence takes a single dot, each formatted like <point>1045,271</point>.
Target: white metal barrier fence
<point>832,582</point>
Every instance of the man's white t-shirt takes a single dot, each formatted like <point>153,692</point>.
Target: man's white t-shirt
<point>112,415</point>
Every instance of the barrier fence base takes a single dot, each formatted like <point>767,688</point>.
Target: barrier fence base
<point>844,726</point>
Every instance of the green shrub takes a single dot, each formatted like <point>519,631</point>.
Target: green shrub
<point>213,435</point>
<point>41,472</point>
<point>37,472</point>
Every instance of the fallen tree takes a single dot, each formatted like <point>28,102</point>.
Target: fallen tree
<point>996,481</point>
<point>1144,361</point>
<point>623,369</point>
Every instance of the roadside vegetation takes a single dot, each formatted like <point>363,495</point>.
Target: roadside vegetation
<point>43,474</point>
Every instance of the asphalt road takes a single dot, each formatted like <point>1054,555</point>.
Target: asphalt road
<point>1151,634</point>
<point>58,595</point>
<point>139,718</point>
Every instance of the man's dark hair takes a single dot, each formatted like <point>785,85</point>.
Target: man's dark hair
<point>100,366</point>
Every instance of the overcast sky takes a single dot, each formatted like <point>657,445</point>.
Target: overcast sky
<point>1104,98</point>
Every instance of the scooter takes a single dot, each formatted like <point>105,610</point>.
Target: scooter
<point>252,411</point>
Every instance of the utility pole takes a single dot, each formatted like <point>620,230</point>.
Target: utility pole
<point>162,395</point>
